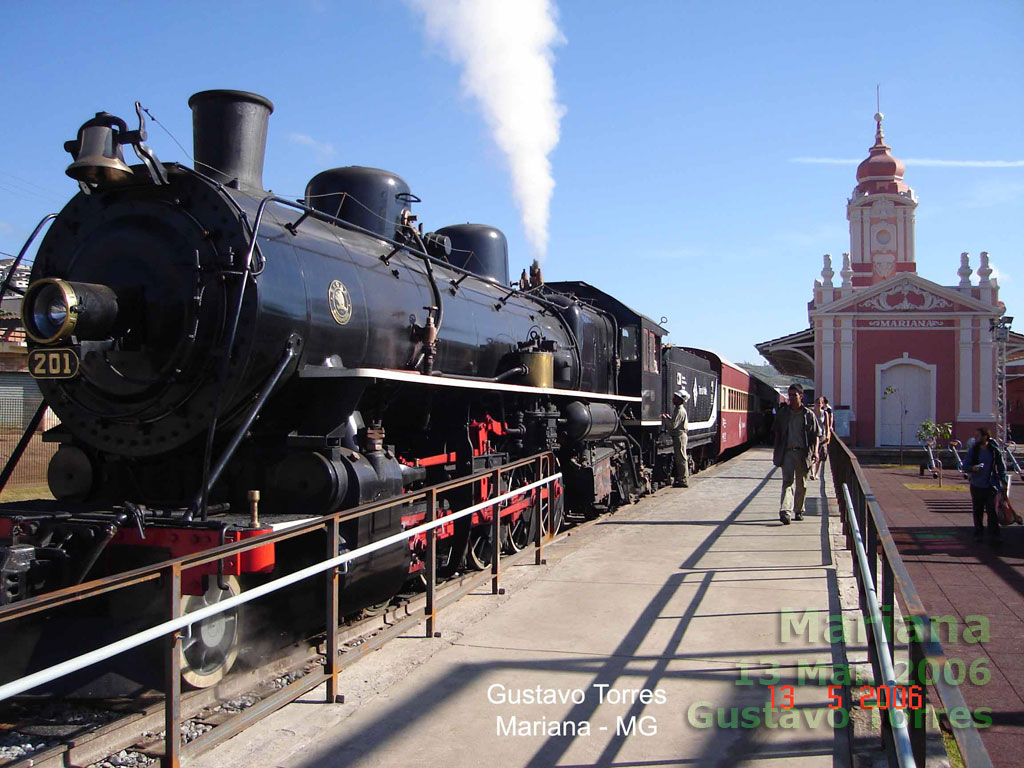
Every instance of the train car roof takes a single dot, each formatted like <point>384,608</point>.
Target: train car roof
<point>602,300</point>
<point>756,378</point>
<point>760,378</point>
<point>685,356</point>
<point>715,356</point>
<point>731,364</point>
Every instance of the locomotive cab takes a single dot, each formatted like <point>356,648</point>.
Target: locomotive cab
<point>633,349</point>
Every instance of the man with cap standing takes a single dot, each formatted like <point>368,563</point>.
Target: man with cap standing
<point>680,422</point>
<point>796,440</point>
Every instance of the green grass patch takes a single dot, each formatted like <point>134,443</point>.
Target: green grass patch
<point>952,750</point>
<point>934,487</point>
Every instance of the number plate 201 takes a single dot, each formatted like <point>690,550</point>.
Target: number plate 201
<point>56,363</point>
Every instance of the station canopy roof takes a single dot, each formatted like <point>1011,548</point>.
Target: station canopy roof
<point>791,355</point>
<point>1015,347</point>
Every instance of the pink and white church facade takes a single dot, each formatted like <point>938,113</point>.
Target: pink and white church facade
<point>881,326</point>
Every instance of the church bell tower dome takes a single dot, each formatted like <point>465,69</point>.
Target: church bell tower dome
<point>881,216</point>
<point>880,172</point>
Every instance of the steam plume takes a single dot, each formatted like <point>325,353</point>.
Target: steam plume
<point>505,50</point>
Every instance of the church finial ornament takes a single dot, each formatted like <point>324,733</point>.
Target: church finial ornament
<point>826,273</point>
<point>879,136</point>
<point>965,270</point>
<point>984,271</point>
<point>847,271</point>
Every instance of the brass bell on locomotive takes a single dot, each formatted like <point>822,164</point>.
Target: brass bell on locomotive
<point>97,151</point>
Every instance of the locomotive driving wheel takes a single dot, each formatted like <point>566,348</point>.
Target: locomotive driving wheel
<point>515,534</point>
<point>515,528</point>
<point>209,647</point>
<point>478,556</point>
<point>558,503</point>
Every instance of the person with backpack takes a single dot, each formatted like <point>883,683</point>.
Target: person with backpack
<point>987,476</point>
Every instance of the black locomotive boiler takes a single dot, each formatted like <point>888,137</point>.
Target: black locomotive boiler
<point>204,342</point>
<point>201,339</point>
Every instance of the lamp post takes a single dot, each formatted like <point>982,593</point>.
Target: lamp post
<point>1000,328</point>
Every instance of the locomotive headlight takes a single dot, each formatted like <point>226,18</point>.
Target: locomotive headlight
<point>49,310</point>
<point>53,310</point>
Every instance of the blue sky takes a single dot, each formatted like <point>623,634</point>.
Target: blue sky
<point>675,182</point>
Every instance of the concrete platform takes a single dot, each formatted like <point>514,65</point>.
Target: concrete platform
<point>633,622</point>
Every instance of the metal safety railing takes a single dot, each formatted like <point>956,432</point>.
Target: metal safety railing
<point>904,733</point>
<point>169,574</point>
<point>883,655</point>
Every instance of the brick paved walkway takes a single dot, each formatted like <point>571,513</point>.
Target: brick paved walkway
<point>959,577</point>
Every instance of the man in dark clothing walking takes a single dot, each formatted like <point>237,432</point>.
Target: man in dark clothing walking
<point>796,440</point>
<point>987,473</point>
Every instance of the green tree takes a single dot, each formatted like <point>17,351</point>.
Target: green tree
<point>892,391</point>
<point>939,435</point>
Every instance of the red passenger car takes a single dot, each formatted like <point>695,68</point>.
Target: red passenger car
<point>744,403</point>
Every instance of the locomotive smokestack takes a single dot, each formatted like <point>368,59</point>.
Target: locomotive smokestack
<point>229,130</point>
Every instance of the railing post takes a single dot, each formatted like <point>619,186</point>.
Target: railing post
<point>431,608</point>
<point>539,497</point>
<point>847,480</point>
<point>172,670</point>
<point>889,607</point>
<point>919,676</point>
<point>861,504</point>
<point>496,535</point>
<point>851,516</point>
<point>551,507</point>
<point>858,502</point>
<point>872,549</point>
<point>551,497</point>
<point>887,596</point>
<point>888,740</point>
<point>331,651</point>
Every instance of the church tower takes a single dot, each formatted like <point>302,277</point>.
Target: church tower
<point>889,348</point>
<point>881,216</point>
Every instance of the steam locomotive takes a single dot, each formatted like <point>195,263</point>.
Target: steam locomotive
<point>202,340</point>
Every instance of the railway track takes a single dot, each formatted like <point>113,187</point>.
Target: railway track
<point>129,733</point>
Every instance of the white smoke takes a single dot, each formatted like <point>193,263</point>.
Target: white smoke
<point>505,50</point>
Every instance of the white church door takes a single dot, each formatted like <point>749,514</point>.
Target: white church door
<point>914,393</point>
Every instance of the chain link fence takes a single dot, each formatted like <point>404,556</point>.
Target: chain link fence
<point>19,399</point>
